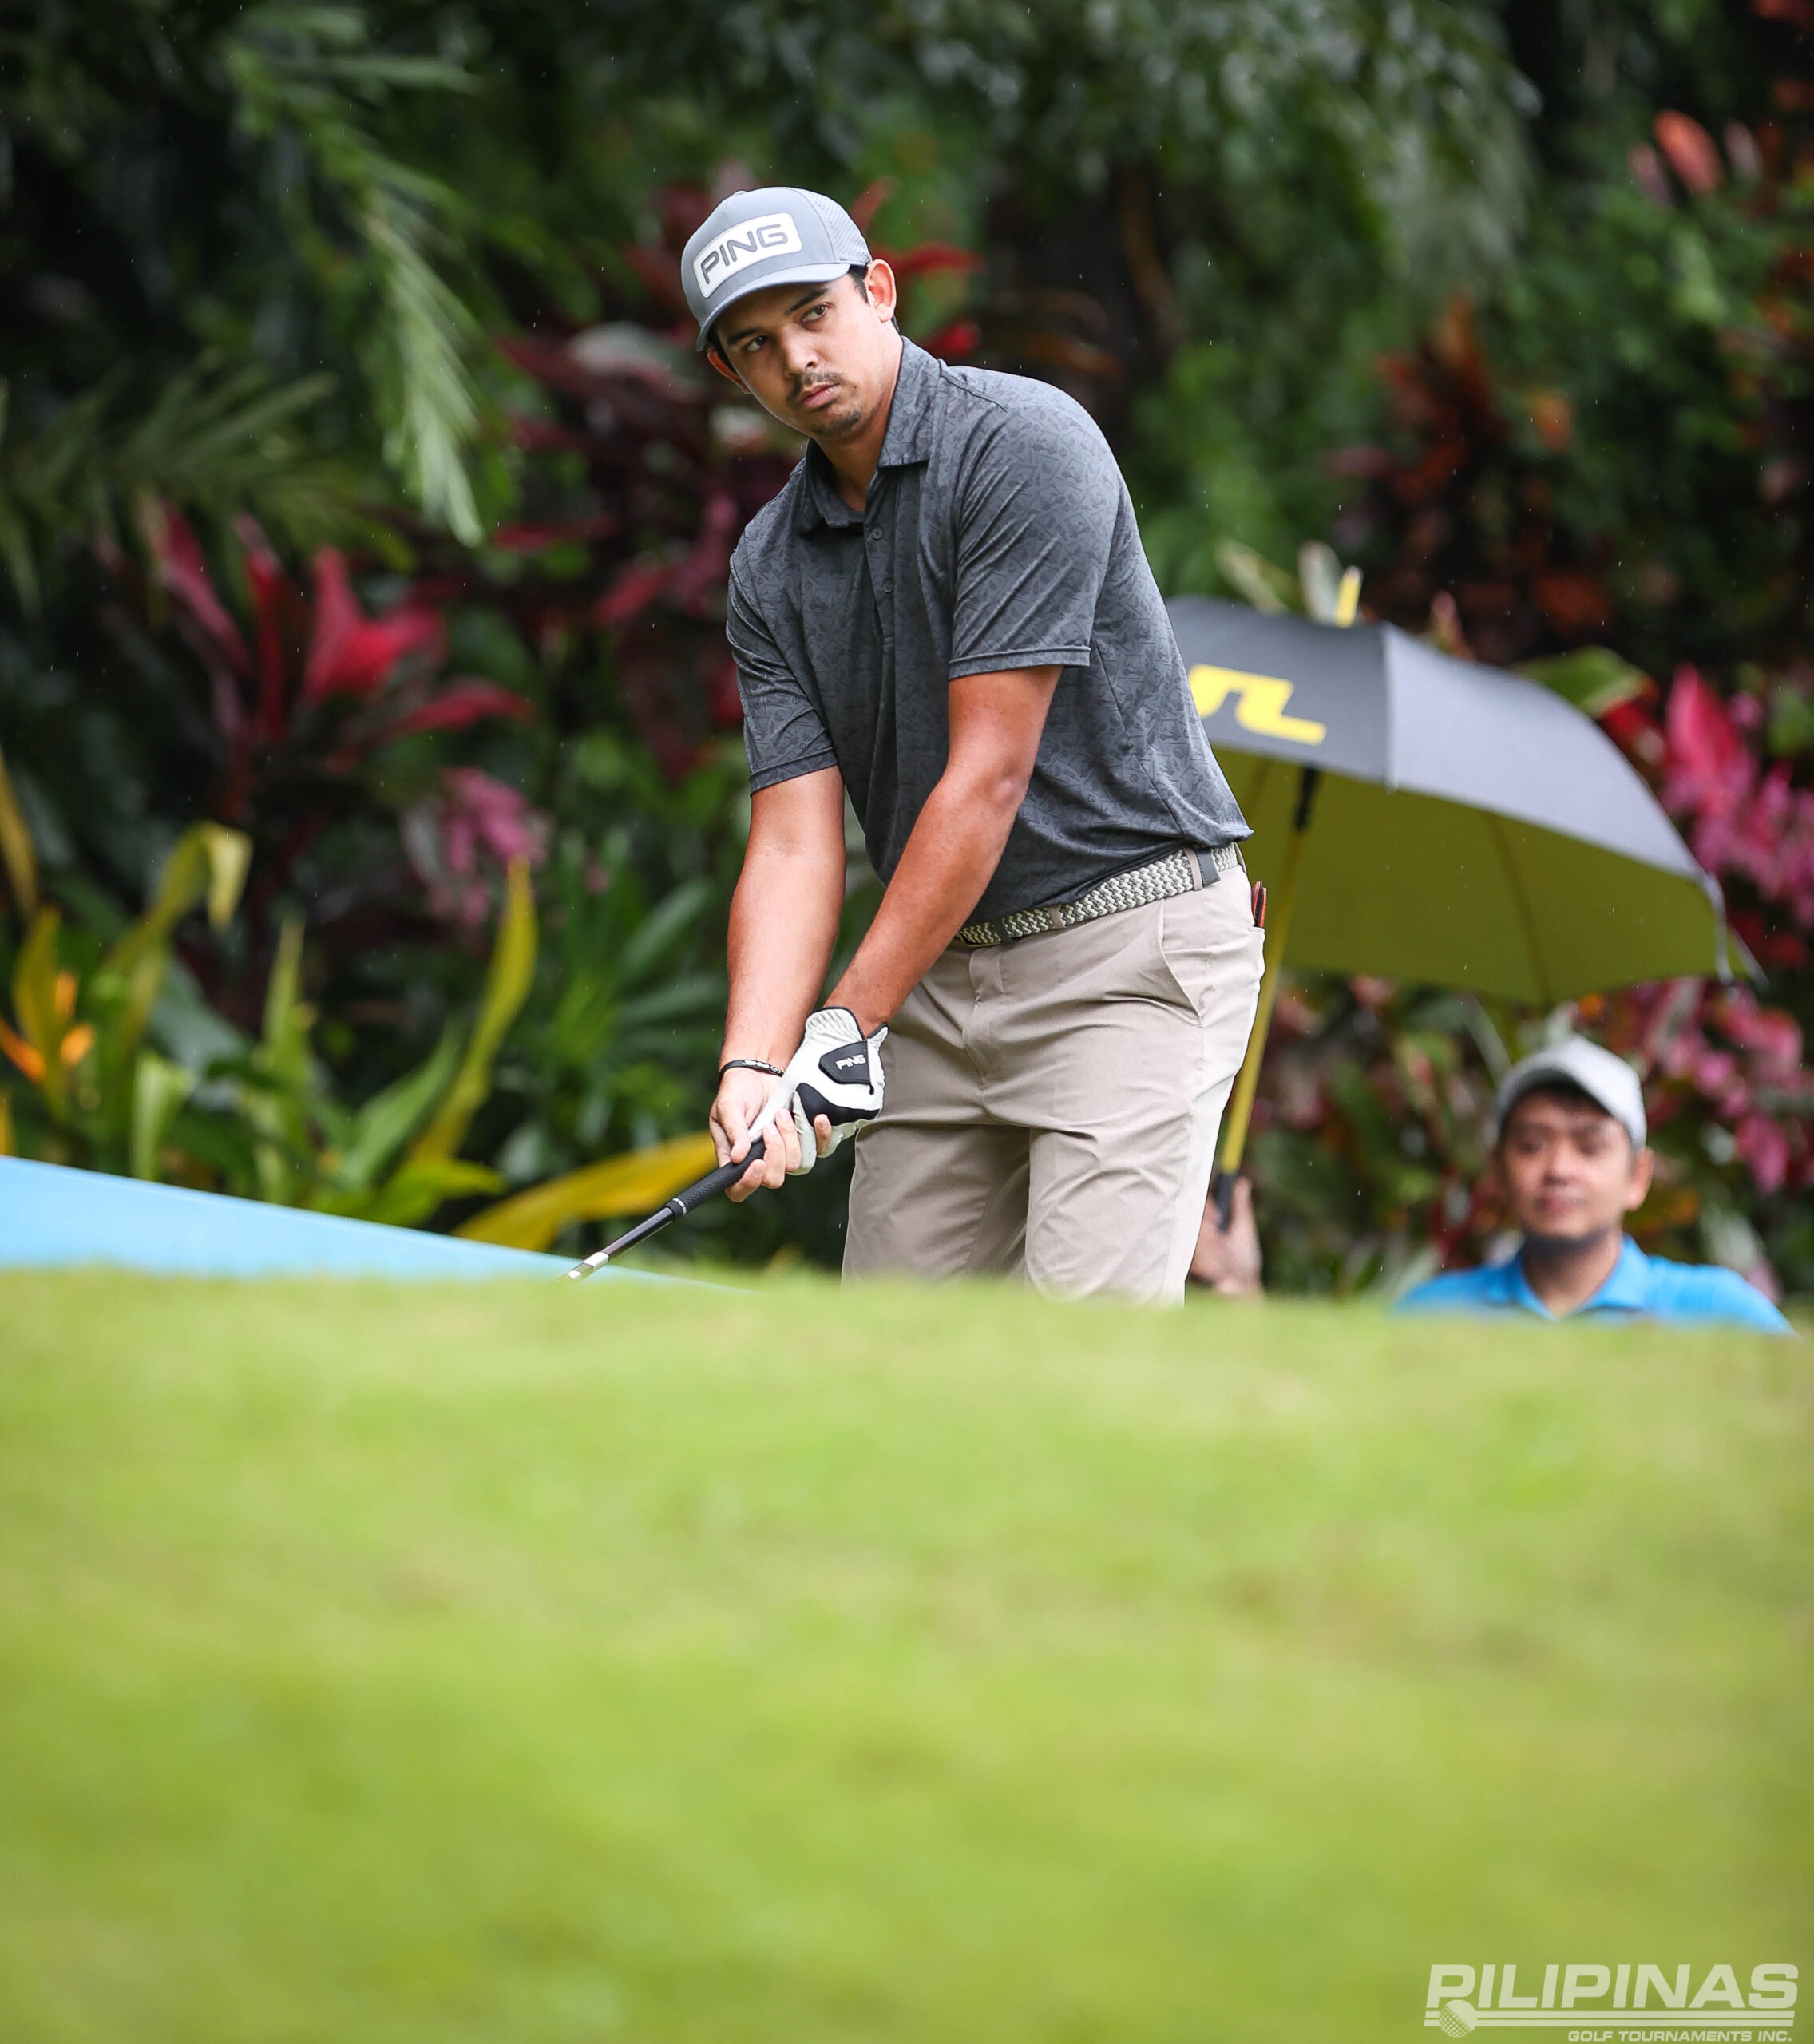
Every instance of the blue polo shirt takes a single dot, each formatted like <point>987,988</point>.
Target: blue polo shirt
<point>1640,1287</point>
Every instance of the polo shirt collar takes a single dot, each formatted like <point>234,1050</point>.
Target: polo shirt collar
<point>907,440</point>
<point>819,503</point>
<point>1626,1290</point>
<point>1503,1284</point>
<point>1628,1286</point>
<point>908,437</point>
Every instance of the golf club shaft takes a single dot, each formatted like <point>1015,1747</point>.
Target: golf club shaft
<point>683,1201</point>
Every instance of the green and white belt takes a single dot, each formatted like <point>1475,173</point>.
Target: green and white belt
<point>1178,873</point>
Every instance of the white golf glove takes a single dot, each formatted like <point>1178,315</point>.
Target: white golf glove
<point>836,1072</point>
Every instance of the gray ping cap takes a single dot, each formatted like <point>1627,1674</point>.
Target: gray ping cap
<point>1605,1078</point>
<point>777,234</point>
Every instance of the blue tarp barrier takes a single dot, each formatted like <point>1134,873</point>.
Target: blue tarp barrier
<point>52,1215</point>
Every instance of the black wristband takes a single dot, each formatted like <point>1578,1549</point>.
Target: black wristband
<point>747,1064</point>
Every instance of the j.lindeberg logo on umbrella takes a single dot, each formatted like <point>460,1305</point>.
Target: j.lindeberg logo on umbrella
<point>1631,2004</point>
<point>1259,703</point>
<point>750,241</point>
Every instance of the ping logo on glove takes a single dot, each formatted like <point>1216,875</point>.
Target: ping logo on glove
<point>832,1054</point>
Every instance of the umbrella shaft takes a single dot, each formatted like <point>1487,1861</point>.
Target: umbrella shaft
<point>1278,929</point>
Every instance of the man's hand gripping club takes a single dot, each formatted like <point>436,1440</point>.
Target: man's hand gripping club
<point>830,1087</point>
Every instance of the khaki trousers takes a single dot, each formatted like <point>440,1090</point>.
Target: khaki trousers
<point>1052,1105</point>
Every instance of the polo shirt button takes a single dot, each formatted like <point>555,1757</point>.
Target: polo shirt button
<point>886,587</point>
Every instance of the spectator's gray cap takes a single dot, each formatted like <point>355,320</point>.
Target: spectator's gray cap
<point>777,234</point>
<point>1606,1080</point>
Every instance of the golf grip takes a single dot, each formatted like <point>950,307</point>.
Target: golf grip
<point>1222,1191</point>
<point>683,1201</point>
<point>713,1183</point>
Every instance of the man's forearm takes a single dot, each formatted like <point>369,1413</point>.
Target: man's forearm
<point>950,857</point>
<point>783,924</point>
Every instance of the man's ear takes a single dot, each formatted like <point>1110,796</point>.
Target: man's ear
<point>723,368</point>
<point>1638,1186</point>
<point>884,294</point>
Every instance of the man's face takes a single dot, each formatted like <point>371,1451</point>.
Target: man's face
<point>1569,1170</point>
<point>820,358</point>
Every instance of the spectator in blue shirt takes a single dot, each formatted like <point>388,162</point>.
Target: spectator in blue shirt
<point>1571,1149</point>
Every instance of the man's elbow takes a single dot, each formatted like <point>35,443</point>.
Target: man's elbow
<point>990,791</point>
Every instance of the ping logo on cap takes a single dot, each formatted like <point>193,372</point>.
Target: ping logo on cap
<point>750,241</point>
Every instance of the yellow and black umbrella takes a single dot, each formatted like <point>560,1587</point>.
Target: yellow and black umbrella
<point>1427,819</point>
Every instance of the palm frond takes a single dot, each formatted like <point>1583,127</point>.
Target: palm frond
<point>302,70</point>
<point>209,440</point>
<point>436,408</point>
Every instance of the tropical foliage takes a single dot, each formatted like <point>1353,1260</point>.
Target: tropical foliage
<point>373,787</point>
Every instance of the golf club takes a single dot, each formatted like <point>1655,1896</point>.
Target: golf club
<point>683,1201</point>
<point>804,1061</point>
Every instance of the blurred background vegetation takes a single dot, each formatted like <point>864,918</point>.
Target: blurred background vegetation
<point>372,792</point>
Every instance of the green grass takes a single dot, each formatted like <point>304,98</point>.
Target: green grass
<point>399,1667</point>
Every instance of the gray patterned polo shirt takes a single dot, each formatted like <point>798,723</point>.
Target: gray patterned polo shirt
<point>998,533</point>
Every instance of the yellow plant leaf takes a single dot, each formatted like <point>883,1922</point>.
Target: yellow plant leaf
<point>507,982</point>
<point>34,1003</point>
<point>35,981</point>
<point>78,1043</point>
<point>159,1089</point>
<point>284,1050</point>
<point>229,859</point>
<point>145,981</point>
<point>9,1141</point>
<point>208,861</point>
<point>17,854</point>
<point>634,1183</point>
<point>28,1058</point>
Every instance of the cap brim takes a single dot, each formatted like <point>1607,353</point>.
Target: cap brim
<point>807,273</point>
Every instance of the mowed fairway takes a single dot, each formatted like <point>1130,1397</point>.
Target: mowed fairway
<point>511,1664</point>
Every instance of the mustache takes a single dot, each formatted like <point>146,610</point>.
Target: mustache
<point>803,389</point>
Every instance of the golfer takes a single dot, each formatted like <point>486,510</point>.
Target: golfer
<point>946,615</point>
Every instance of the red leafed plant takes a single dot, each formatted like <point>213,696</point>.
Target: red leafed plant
<point>1744,818</point>
<point>1716,1051</point>
<point>303,701</point>
<point>468,831</point>
<point>319,670</point>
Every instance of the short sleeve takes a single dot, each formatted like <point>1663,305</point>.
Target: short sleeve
<point>1729,1296</point>
<point>1036,520</point>
<point>783,734</point>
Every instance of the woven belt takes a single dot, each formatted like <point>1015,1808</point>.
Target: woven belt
<point>1178,873</point>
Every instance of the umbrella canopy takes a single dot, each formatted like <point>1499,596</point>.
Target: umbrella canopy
<point>1468,828</point>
